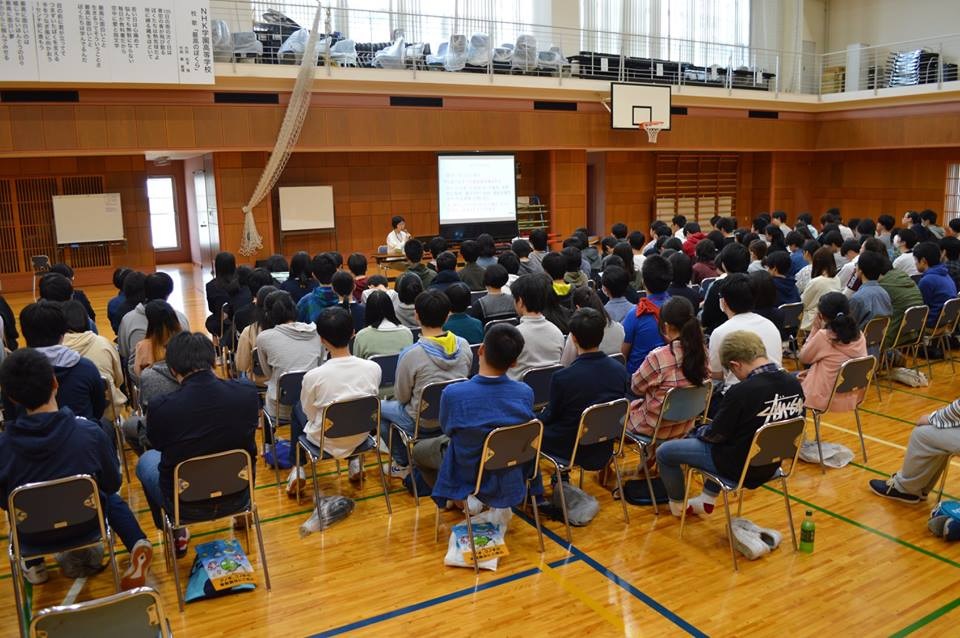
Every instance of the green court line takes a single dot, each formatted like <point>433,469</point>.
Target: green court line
<point>917,394</point>
<point>926,620</point>
<point>893,418</point>
<point>867,528</point>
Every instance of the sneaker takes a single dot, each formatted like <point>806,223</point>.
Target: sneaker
<point>886,489</point>
<point>181,536</point>
<point>296,482</point>
<point>35,573</point>
<point>81,563</point>
<point>355,470</point>
<point>747,541</point>
<point>771,537</point>
<point>699,506</point>
<point>396,471</point>
<point>140,558</point>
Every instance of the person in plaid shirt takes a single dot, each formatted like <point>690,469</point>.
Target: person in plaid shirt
<point>681,363</point>
<point>932,442</point>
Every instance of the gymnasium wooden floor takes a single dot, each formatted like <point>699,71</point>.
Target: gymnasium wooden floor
<point>876,569</point>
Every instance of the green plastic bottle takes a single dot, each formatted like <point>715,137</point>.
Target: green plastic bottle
<point>808,530</point>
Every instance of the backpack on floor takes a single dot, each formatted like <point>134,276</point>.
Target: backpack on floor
<point>945,521</point>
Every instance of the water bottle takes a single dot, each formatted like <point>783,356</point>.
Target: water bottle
<point>808,530</point>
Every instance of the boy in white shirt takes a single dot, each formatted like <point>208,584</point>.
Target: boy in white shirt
<point>342,377</point>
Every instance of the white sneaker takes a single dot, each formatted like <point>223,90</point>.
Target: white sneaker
<point>296,481</point>
<point>355,469</point>
<point>396,471</point>
<point>35,574</point>
<point>746,540</point>
<point>771,537</point>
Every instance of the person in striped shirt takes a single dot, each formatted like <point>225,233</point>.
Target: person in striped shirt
<point>932,442</point>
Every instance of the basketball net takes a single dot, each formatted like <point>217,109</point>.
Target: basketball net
<point>653,130</point>
<point>251,240</point>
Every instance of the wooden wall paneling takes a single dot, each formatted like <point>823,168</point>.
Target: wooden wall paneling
<point>27,127</point>
<point>179,127</point>
<point>630,189</point>
<point>207,129</point>
<point>6,132</point>
<point>60,126</point>
<point>121,127</point>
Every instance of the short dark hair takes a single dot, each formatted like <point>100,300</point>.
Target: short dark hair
<point>531,290</point>
<point>607,243</point>
<point>811,246</point>
<point>538,239</point>
<point>502,345</point>
<point>554,265</point>
<point>587,325</point>
<point>705,251</point>
<point>615,280</point>
<point>275,263</point>
<point>657,274</point>
<point>954,224</point>
<point>470,251</point>
<point>279,308</point>
<point>488,247</point>
<point>259,278</point>
<point>908,237</point>
<point>779,261</point>
<point>118,276</point>
<point>794,238</point>
<point>913,216</point>
<point>432,308</point>
<point>950,246</point>
<point>76,316</point>
<point>736,292</point>
<point>159,285</point>
<point>396,220</point>
<point>672,243</point>
<point>495,276</point>
<point>342,283</point>
<point>133,286</point>
<point>189,352</point>
<point>378,307</point>
<point>678,220</point>
<point>734,257</point>
<point>357,263</point>
<point>871,265</point>
<point>378,280</point>
<point>521,247</point>
<point>886,221</point>
<point>335,325</point>
<point>322,266</point>
<point>763,289</point>
<point>446,260</point>
<point>26,378</point>
<point>682,268</point>
<point>413,250</point>
<point>459,296</point>
<point>55,287</point>
<point>832,238</point>
<point>408,286</point>
<point>509,260</point>
<point>780,215</point>
<point>849,245</point>
<point>571,259</point>
<point>867,227</point>
<point>43,324</point>
<point>619,230</point>
<point>691,227</point>
<point>437,245</point>
<point>635,239</point>
<point>727,225</point>
<point>758,248</point>
<point>929,251</point>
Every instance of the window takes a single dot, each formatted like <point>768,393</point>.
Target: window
<point>951,208</point>
<point>163,213</point>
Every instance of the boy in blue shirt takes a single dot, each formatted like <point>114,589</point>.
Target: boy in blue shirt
<point>640,326</point>
<point>459,322</point>
<point>935,284</point>
<point>323,296</point>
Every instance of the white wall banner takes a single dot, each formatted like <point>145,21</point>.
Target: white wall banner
<point>139,41</point>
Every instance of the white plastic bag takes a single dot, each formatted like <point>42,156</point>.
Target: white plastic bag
<point>834,454</point>
<point>489,530</point>
<point>910,377</point>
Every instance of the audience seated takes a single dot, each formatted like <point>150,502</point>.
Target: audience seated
<point>682,270</point>
<point>134,294</point>
<point>765,301</point>
<point>834,339</point>
<point>133,326</point>
<point>692,237</point>
<point>45,443</point>
<point>522,248</point>
<point>438,356</point>
<point>870,300</point>
<point>640,326</point>
<point>299,282</point>
<point>736,300</point>
<point>99,350</point>
<point>488,250</point>
<point>763,394</point>
<point>810,247</point>
<point>950,258</point>
<point>471,274</point>
<point>904,241</point>
<point>496,304</point>
<point>248,338</point>
<point>225,287</point>
<point>681,363</point>
<point>469,411</point>
<point>795,241</point>
<point>733,259</point>
<point>538,240</point>
<point>634,274</point>
<point>935,283</point>
<point>383,334</point>
<point>116,303</point>
<point>342,377</point>
<point>205,415</point>
<point>357,263</point>
<point>612,341</point>
<point>615,284</point>
<point>56,287</point>
<point>572,265</point>
<point>343,285</point>
<point>823,280</point>
<point>543,341</point>
<point>903,292</point>
<point>555,265</point>
<point>778,265</point>
<point>511,263</point>
<point>409,287</point>
<point>460,323</point>
<point>705,266</point>
<point>758,252</point>
<point>246,315</point>
<point>379,282</point>
<point>446,272</point>
<point>78,295</point>
<point>287,345</point>
<point>933,441</point>
<point>162,324</point>
<point>323,295</point>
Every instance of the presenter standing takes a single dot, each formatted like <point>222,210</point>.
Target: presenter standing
<point>398,236</point>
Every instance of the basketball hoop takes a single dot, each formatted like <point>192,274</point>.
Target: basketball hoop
<point>653,129</point>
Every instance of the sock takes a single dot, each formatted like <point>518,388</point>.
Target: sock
<point>701,505</point>
<point>676,508</point>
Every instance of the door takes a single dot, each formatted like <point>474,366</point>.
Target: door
<point>203,220</point>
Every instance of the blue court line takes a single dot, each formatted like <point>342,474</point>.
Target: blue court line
<point>409,609</point>
<point>619,580</point>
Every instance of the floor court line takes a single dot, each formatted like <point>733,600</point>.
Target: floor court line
<point>583,597</point>
<point>926,620</point>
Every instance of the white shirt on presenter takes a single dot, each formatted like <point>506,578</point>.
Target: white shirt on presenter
<point>398,236</point>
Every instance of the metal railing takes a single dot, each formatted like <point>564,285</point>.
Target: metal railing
<point>264,32</point>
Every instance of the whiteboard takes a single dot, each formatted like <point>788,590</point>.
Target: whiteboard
<point>80,219</point>
<point>306,208</point>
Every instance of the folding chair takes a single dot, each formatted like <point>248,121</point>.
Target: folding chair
<point>346,418</point>
<point>388,368</point>
<point>287,394</point>
<point>210,488</point>
<point>134,613</point>
<point>55,516</point>
<point>705,284</point>
<point>773,443</point>
<point>619,357</point>
<point>475,366</point>
<point>117,424</point>
<point>41,266</point>
<point>599,423</point>
<point>513,321</point>
<point>792,317</point>
<point>874,332</point>
<point>853,376</point>
<point>943,478</point>
<point>909,334</point>
<point>416,334</point>
<point>476,295</point>
<point>427,423</point>
<point>946,325</point>
<point>504,448</point>
<point>679,404</point>
<point>539,380</point>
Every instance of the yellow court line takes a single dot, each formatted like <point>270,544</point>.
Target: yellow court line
<point>582,596</point>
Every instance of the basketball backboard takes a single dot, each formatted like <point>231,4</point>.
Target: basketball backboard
<point>633,104</point>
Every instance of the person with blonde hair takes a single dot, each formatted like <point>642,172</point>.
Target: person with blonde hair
<point>765,394</point>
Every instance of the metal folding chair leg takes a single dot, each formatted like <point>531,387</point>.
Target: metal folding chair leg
<point>623,500</point>
<point>816,427</point>
<point>863,444</point>
<point>17,590</point>
<point>436,525</point>
<point>563,505</point>
<point>113,558</point>
<point>739,502</point>
<point>168,533</point>
<point>943,479</point>
<point>536,519</point>
<point>726,510</point>
<point>413,479</point>
<point>646,475</point>
<point>473,542</point>
<point>263,554</point>
<point>383,480</point>
<point>686,497</point>
<point>926,355</point>
<point>296,468</point>
<point>786,501</point>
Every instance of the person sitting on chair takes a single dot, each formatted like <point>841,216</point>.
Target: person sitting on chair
<point>459,322</point>
<point>413,250</point>
<point>205,415</point>
<point>765,394</point>
<point>46,443</point>
<point>496,304</point>
<point>469,411</point>
<point>935,283</point>
<point>640,325</point>
<point>870,300</point>
<point>833,339</point>
<point>471,274</point>
<point>323,295</point>
<point>543,341</point>
<point>397,237</point>
<point>133,326</point>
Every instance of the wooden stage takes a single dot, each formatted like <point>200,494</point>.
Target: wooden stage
<point>876,569</point>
